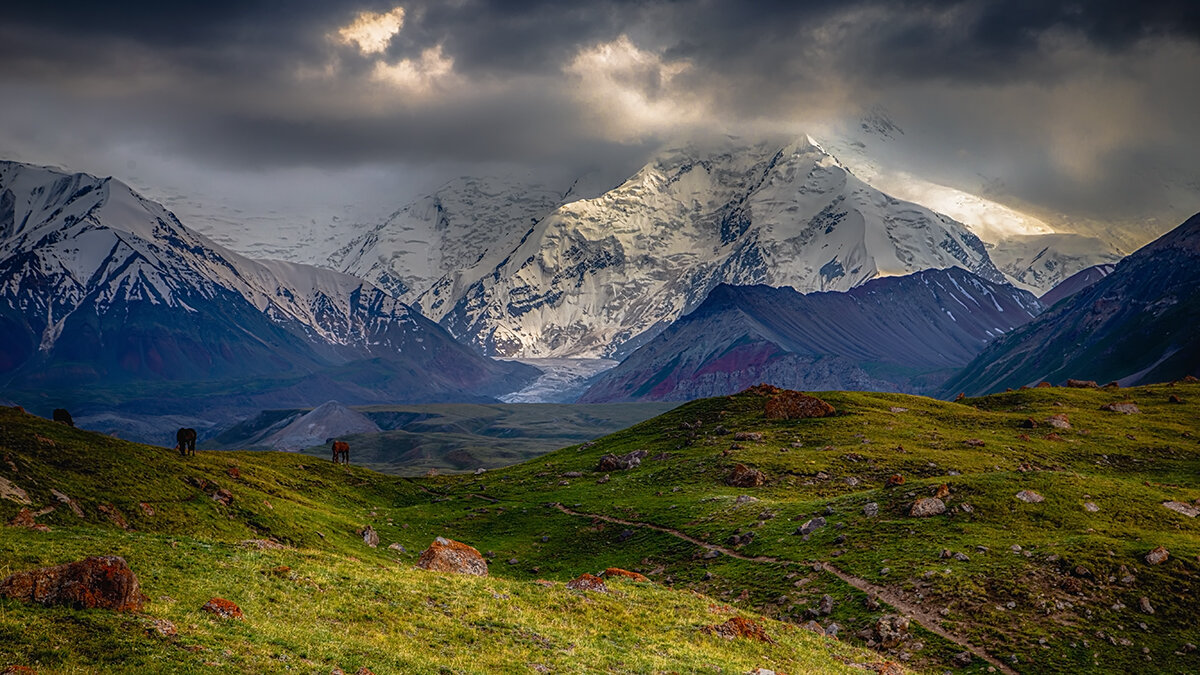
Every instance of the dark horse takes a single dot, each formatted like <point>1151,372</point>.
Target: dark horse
<point>185,442</point>
<point>341,449</point>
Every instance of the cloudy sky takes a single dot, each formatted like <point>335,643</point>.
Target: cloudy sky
<point>1080,112</point>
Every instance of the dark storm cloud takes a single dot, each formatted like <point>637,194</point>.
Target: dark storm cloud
<point>990,87</point>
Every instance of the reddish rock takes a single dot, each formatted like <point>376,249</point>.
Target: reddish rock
<point>943,491</point>
<point>1174,399</point>
<point>24,518</point>
<point>792,405</point>
<point>618,572</point>
<point>1044,385</point>
<point>744,476</point>
<point>1158,556</point>
<point>927,506</point>
<point>223,496</point>
<point>894,480</point>
<point>447,555</point>
<point>146,509</point>
<point>223,609</point>
<point>737,627</point>
<point>1030,497</point>
<point>18,670</point>
<point>98,582</point>
<point>587,582</point>
<point>114,515</point>
<point>1190,379</point>
<point>1059,421</point>
<point>1052,437</point>
<point>1029,423</point>
<point>1024,437</point>
<point>1082,384</point>
<point>234,472</point>
<point>973,443</point>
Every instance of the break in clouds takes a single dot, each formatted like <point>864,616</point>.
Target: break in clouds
<point>1076,111</point>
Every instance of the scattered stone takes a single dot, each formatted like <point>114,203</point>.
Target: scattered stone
<point>1030,497</point>
<point>1186,509</point>
<point>234,472</point>
<point>163,628</point>
<point>973,443</point>
<point>114,515</point>
<point>1090,507</point>
<point>625,535</point>
<point>1029,423</point>
<point>447,555</point>
<point>223,496</point>
<point>1158,556</point>
<point>813,626</point>
<point>744,499</point>
<point>894,480</point>
<point>890,631</point>
<point>1082,384</point>
<point>1052,437</point>
<point>792,405</point>
<point>223,609</point>
<point>927,506</point>
<point>942,491</point>
<point>1145,606</point>
<point>1174,399</point>
<point>963,659</point>
<point>744,476</point>
<point>811,526</point>
<point>962,557</point>
<point>369,536</point>
<point>11,492</point>
<point>871,509</point>
<point>1125,408</point>
<point>748,436</point>
<point>967,507</point>
<point>826,606</point>
<point>626,574</point>
<point>1059,421</point>
<point>851,481</point>
<point>97,582</point>
<point>871,603</point>
<point>897,409</point>
<point>621,462</point>
<point>396,546</point>
<point>587,582</point>
<point>262,544</point>
<point>738,627</point>
<point>602,480</point>
<point>711,553</point>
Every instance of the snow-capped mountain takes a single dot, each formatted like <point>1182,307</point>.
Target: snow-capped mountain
<point>598,277</point>
<point>99,284</point>
<point>445,234</point>
<point>1081,280</point>
<point>905,334</point>
<point>1136,325</point>
<point>1041,262</point>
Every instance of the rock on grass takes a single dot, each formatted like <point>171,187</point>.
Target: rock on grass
<point>587,582</point>
<point>98,582</point>
<point>626,574</point>
<point>738,627</point>
<point>1158,556</point>
<point>1030,497</point>
<point>223,609</point>
<point>927,506</point>
<point>447,555</point>
<point>744,476</point>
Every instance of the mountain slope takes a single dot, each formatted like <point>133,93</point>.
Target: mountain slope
<point>315,597</point>
<point>1136,325</point>
<point>1084,278</point>
<point>597,277</point>
<point>892,334</point>
<point>102,287</point>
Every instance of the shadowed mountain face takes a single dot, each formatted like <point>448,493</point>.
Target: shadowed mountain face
<point>1079,281</point>
<point>106,296</point>
<point>1136,325</point>
<point>894,334</point>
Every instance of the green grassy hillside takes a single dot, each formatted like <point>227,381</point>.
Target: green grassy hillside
<point>1045,587</point>
<point>323,600</point>
<point>1055,586</point>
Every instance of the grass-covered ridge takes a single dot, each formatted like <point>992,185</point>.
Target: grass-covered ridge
<point>325,600</point>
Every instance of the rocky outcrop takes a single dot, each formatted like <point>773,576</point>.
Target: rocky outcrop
<point>927,506</point>
<point>621,462</point>
<point>738,627</point>
<point>447,555</point>
<point>587,582</point>
<point>744,476</point>
<point>223,609</point>
<point>792,405</point>
<point>98,582</point>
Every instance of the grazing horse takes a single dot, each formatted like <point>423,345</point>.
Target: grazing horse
<point>185,442</point>
<point>61,415</point>
<point>342,449</point>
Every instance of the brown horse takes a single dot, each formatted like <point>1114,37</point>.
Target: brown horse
<point>185,442</point>
<point>342,449</point>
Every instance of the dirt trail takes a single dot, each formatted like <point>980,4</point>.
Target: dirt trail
<point>926,619</point>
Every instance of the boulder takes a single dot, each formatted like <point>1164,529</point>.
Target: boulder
<point>890,631</point>
<point>1059,421</point>
<point>1186,509</point>
<point>1144,605</point>
<point>813,626</point>
<point>12,492</point>
<point>748,436</point>
<point>738,627</point>
<point>792,405</point>
<point>621,462</point>
<point>587,582</point>
<point>1124,407</point>
<point>223,609</point>
<point>744,476</point>
<point>826,606</point>
<point>1082,384</point>
<point>447,555</point>
<point>370,537</point>
<point>114,515</point>
<point>927,506</point>
<point>98,582</point>
<point>894,480</point>
<point>1158,556</point>
<point>624,574</point>
<point>811,526</point>
<point>1030,497</point>
<point>223,496</point>
<point>871,509</point>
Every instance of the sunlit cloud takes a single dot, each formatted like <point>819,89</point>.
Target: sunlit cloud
<point>631,92</point>
<point>416,75</point>
<point>371,31</point>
